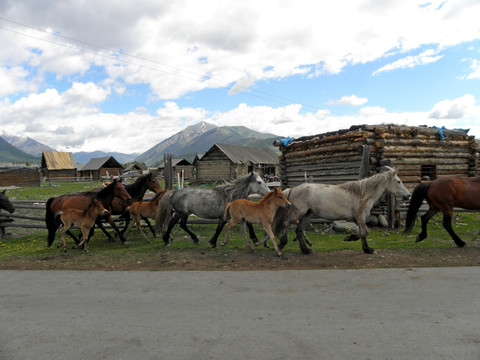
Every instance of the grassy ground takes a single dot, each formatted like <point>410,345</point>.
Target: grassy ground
<point>393,248</point>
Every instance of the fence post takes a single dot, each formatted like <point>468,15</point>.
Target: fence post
<point>365,164</point>
<point>167,162</point>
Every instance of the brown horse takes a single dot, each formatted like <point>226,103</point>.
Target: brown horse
<point>261,212</point>
<point>443,194</point>
<point>81,201</point>
<point>144,210</point>
<point>85,219</point>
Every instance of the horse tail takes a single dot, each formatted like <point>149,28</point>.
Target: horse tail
<point>226,211</point>
<point>281,214</point>
<point>164,211</point>
<point>419,193</point>
<point>50,221</point>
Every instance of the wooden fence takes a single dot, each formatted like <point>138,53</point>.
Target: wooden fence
<point>30,214</point>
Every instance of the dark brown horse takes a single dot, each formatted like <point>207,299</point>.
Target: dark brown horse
<point>81,201</point>
<point>443,194</point>
<point>6,205</point>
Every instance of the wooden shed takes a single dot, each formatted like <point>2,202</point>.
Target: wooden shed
<point>56,164</point>
<point>19,176</point>
<point>103,167</point>
<point>419,153</point>
<point>229,162</point>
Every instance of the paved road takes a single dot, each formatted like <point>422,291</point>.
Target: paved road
<point>324,314</point>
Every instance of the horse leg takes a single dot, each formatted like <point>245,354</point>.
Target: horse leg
<point>127,218</point>
<point>85,232</point>
<point>244,234</point>
<point>171,224</point>
<point>64,242</point>
<point>447,224</point>
<point>107,234</point>
<point>251,233</point>
<point>227,229</point>
<point>218,230</point>
<point>300,232</point>
<point>183,225</point>
<point>268,229</point>
<point>425,218</point>
<point>363,235</point>
<point>149,226</point>
<point>117,231</point>
<point>352,237</point>
<point>139,228</point>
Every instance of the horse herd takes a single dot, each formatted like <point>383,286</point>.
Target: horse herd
<point>228,204</point>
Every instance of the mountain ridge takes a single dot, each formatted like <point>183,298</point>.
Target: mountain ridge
<point>201,137</point>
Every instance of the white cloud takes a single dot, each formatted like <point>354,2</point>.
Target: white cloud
<point>187,41</point>
<point>352,100</point>
<point>186,46</point>
<point>424,58</point>
<point>475,66</point>
<point>453,109</point>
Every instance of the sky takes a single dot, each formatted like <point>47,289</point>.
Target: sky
<point>122,76</point>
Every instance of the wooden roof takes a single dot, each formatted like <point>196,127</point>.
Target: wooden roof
<point>102,162</point>
<point>56,160</point>
<point>247,154</point>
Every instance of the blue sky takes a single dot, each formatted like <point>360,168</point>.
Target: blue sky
<point>124,76</point>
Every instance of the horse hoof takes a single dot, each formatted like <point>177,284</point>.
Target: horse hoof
<point>419,239</point>
<point>352,237</point>
<point>460,244</point>
<point>368,250</point>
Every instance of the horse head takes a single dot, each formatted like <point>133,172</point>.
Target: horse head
<point>257,185</point>
<point>280,198</point>
<point>396,186</point>
<point>152,184</point>
<point>99,208</point>
<point>5,203</point>
<point>120,191</point>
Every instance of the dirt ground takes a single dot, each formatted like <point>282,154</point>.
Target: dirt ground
<point>241,260</point>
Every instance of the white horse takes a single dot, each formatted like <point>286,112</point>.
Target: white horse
<point>352,200</point>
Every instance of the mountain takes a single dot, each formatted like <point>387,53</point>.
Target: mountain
<point>27,144</point>
<point>84,157</point>
<point>201,137</point>
<point>173,145</point>
<point>9,153</point>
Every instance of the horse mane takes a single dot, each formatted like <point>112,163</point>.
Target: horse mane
<point>366,188</point>
<point>88,207</point>
<point>239,188</point>
<point>160,193</point>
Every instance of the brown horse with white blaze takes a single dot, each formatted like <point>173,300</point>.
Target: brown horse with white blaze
<point>261,212</point>
<point>84,219</point>
<point>443,194</point>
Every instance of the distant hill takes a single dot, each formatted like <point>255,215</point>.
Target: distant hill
<point>173,145</point>
<point>201,137</point>
<point>10,153</point>
<point>84,157</point>
<point>27,144</point>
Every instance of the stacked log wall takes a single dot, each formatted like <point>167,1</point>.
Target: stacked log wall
<point>336,157</point>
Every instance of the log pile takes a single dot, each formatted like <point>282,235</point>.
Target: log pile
<point>336,157</point>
